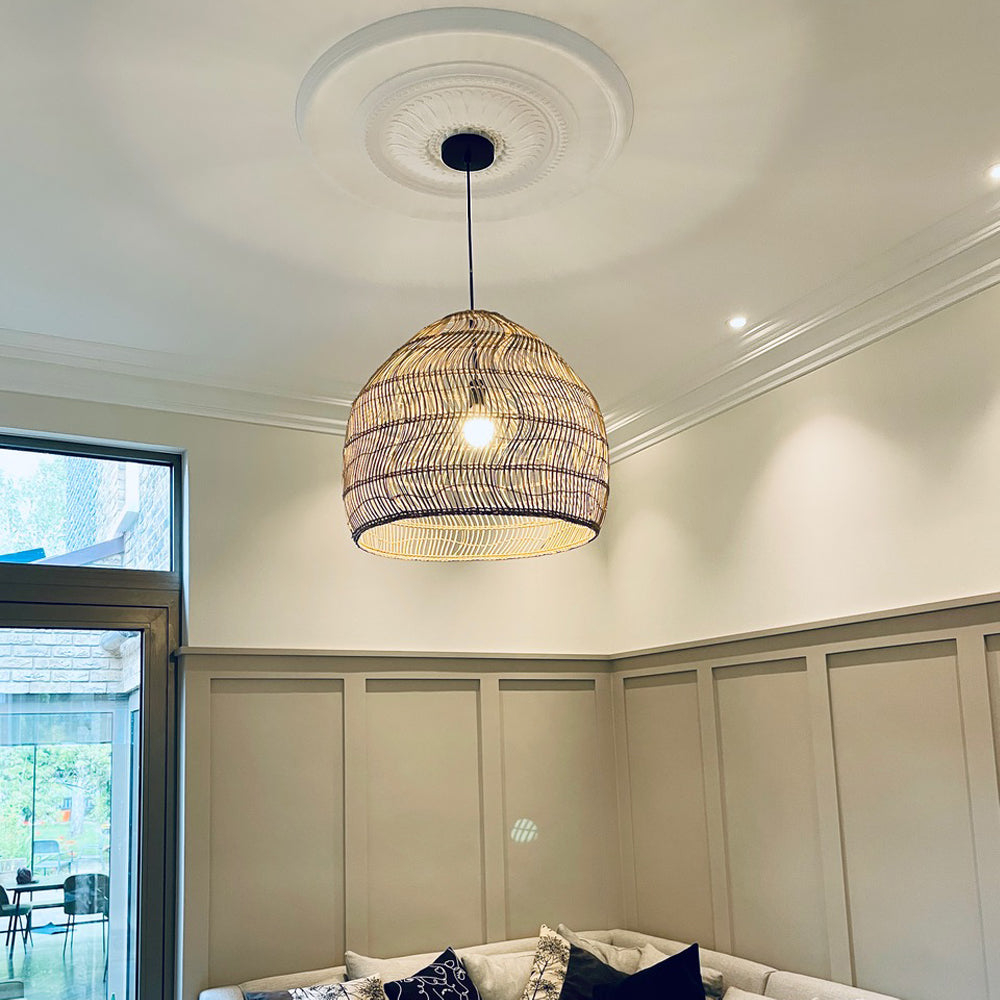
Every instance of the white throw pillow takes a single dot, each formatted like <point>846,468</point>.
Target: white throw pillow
<point>387,969</point>
<point>623,959</point>
<point>369,988</point>
<point>499,977</point>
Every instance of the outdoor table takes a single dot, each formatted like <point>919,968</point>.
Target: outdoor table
<point>17,889</point>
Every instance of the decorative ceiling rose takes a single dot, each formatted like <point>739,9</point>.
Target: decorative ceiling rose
<point>475,440</point>
<point>375,108</point>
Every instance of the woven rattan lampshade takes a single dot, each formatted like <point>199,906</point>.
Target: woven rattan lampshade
<point>536,482</point>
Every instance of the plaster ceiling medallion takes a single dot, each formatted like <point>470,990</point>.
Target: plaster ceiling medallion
<point>375,108</point>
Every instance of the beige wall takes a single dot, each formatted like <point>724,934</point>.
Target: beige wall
<point>367,802</point>
<point>271,563</point>
<point>869,484</point>
<point>824,801</point>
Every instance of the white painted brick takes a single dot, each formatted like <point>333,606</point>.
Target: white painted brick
<point>44,687</point>
<point>63,663</point>
<point>67,676</point>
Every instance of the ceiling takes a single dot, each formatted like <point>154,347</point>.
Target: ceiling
<point>172,237</point>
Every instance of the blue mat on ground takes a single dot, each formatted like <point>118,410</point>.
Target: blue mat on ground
<point>49,929</point>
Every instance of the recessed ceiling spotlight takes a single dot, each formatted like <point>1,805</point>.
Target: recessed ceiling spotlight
<point>994,172</point>
<point>737,322</point>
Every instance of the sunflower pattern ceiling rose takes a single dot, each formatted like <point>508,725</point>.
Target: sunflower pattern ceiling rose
<point>375,107</point>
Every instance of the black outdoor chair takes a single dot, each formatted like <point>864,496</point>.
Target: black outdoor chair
<point>84,895</point>
<point>16,915</point>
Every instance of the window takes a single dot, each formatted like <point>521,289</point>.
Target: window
<point>87,718</point>
<point>101,508</point>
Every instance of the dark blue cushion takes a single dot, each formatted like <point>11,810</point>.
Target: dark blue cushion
<point>585,974</point>
<point>444,979</point>
<point>675,978</point>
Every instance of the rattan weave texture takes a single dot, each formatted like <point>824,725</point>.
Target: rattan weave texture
<point>414,488</point>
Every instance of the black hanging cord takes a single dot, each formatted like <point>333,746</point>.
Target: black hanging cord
<point>468,222</point>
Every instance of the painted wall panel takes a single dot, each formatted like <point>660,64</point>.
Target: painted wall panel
<point>905,812</point>
<point>425,878</point>
<point>771,817</point>
<point>666,785</point>
<point>276,829</point>
<point>553,773</point>
<point>993,672</point>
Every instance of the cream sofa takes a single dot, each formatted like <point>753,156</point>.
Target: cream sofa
<point>739,973</point>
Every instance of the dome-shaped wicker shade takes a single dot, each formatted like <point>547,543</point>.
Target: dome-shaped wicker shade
<point>415,488</point>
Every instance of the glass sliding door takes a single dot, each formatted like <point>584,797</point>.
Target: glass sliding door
<point>68,788</point>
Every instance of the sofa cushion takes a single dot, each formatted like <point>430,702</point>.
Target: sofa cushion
<point>297,980</point>
<point>499,977</point>
<point>622,959</point>
<point>359,966</point>
<point>443,979</point>
<point>677,977</point>
<point>358,989</point>
<point>792,986</point>
<point>749,976</point>
<point>548,966</point>
<point>735,993</point>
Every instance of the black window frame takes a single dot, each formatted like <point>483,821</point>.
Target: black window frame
<point>148,601</point>
<point>147,456</point>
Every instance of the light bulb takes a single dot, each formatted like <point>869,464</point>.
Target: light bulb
<point>478,431</point>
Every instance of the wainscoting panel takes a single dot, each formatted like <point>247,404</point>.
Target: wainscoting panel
<point>425,877</point>
<point>277,821</point>
<point>771,817</point>
<point>844,817</point>
<point>554,810</point>
<point>905,811</point>
<point>331,802</point>
<point>667,794</point>
<point>993,671</point>
<point>850,781</point>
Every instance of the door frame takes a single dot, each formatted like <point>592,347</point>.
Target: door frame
<point>150,603</point>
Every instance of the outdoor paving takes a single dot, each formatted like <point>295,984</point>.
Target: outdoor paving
<point>48,976</point>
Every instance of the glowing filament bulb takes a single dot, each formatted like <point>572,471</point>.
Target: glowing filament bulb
<point>478,430</point>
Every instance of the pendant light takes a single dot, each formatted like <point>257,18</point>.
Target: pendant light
<point>475,440</point>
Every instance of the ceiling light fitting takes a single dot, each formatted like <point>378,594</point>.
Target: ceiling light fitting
<point>737,322</point>
<point>474,440</point>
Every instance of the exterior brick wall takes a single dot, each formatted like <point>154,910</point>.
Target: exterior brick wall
<point>98,497</point>
<point>54,661</point>
<point>147,542</point>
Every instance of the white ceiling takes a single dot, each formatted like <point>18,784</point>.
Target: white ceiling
<point>168,239</point>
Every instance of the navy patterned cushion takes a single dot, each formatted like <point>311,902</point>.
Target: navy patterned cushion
<point>444,979</point>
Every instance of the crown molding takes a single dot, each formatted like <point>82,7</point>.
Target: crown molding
<point>44,365</point>
<point>951,260</point>
<point>938,267</point>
